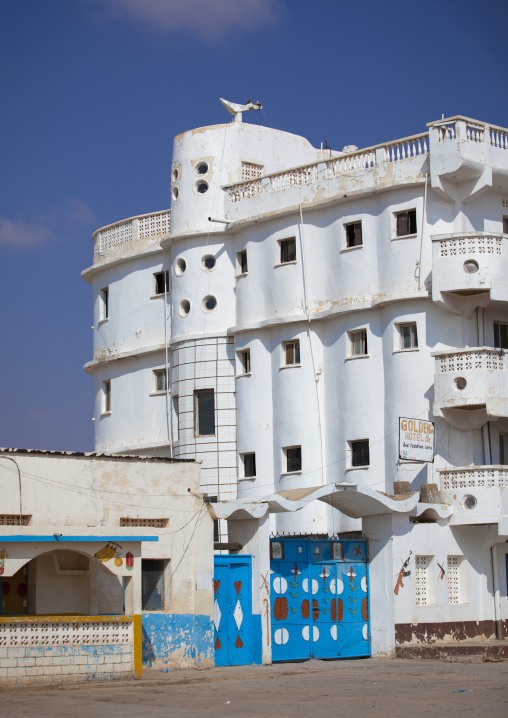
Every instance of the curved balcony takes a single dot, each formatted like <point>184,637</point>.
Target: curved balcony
<point>469,269</point>
<point>130,236</point>
<point>471,386</point>
<point>476,493</point>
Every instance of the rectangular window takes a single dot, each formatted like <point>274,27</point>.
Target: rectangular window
<point>106,396</point>
<point>216,530</point>
<point>503,449</point>
<point>293,456</point>
<point>175,417</point>
<point>153,584</point>
<point>249,465</point>
<point>422,580</point>
<point>500,335</point>
<point>358,343</point>
<point>243,363</point>
<point>353,234</point>
<point>408,336</point>
<point>405,223</point>
<point>104,304</point>
<point>291,352</point>
<point>159,380</point>
<point>161,282</point>
<point>204,412</point>
<point>360,455</point>
<point>241,262</point>
<point>455,579</point>
<point>505,225</point>
<point>287,250</point>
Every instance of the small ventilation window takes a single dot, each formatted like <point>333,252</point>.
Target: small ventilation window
<point>180,266</point>
<point>202,187</point>
<point>202,168</point>
<point>209,303</point>
<point>175,193</point>
<point>460,383</point>
<point>208,262</point>
<point>471,266</point>
<point>469,502</point>
<point>184,307</point>
<point>176,174</point>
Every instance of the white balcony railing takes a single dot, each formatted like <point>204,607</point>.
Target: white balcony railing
<point>470,244</point>
<point>471,130</point>
<point>378,155</point>
<point>474,477</point>
<point>144,226</point>
<point>465,360</point>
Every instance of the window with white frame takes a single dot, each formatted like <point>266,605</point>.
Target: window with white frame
<point>407,336</point>
<point>154,584</point>
<point>357,343</point>
<point>455,575</point>
<point>204,412</point>
<point>287,248</point>
<point>423,580</point>
<point>160,384</point>
<point>249,465</point>
<point>293,459</point>
<point>291,353</point>
<point>106,397</point>
<point>405,223</point>
<point>243,362</point>
<point>104,304</point>
<point>500,335</point>
<point>161,282</point>
<point>241,262</point>
<point>353,234</point>
<point>359,453</point>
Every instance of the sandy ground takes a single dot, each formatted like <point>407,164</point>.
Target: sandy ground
<point>314,689</point>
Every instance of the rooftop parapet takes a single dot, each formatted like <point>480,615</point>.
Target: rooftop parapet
<point>130,236</point>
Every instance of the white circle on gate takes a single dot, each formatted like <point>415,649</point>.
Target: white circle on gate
<point>333,586</point>
<point>365,632</point>
<point>281,636</point>
<point>315,633</point>
<point>340,586</point>
<point>333,632</point>
<point>305,585</point>
<point>315,586</point>
<point>363,584</point>
<point>280,585</point>
<point>305,633</point>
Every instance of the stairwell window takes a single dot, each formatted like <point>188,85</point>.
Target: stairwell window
<point>360,454</point>
<point>160,381</point>
<point>249,465</point>
<point>106,397</point>
<point>405,223</point>
<point>353,232</point>
<point>407,336</point>
<point>241,263</point>
<point>291,353</point>
<point>358,343</point>
<point>104,304</point>
<point>287,250</point>
<point>243,362</point>
<point>204,412</point>
<point>161,282</point>
<point>500,335</point>
<point>293,459</point>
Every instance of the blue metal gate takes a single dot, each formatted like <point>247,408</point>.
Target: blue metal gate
<point>319,598</point>
<point>233,610</point>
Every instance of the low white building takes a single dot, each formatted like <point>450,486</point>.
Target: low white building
<point>297,302</point>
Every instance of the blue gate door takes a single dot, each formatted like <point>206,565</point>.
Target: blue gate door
<point>319,599</point>
<point>233,610</point>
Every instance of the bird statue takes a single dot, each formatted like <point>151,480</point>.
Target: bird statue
<point>237,110</point>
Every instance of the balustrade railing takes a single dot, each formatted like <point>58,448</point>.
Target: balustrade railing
<point>465,360</point>
<point>155,224</point>
<point>473,244</point>
<point>477,477</point>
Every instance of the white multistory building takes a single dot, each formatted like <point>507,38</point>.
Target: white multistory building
<point>301,300</point>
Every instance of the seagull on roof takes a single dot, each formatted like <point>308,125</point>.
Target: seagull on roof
<point>235,109</point>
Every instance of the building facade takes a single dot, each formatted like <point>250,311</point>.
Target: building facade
<point>292,305</point>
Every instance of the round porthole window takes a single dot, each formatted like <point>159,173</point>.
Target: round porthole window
<point>208,262</point>
<point>175,193</point>
<point>184,307</point>
<point>471,266</point>
<point>469,502</point>
<point>180,266</point>
<point>202,168</point>
<point>176,175</point>
<point>202,187</point>
<point>209,303</point>
<point>460,383</point>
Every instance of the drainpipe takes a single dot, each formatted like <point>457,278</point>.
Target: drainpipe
<point>497,594</point>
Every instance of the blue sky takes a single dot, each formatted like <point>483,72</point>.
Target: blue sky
<point>93,92</point>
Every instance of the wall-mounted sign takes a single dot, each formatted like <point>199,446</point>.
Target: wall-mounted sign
<point>416,440</point>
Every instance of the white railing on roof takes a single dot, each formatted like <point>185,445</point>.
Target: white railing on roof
<point>399,150</point>
<point>473,477</point>
<point>467,129</point>
<point>144,226</point>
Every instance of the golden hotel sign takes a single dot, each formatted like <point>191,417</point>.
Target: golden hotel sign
<point>416,440</point>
